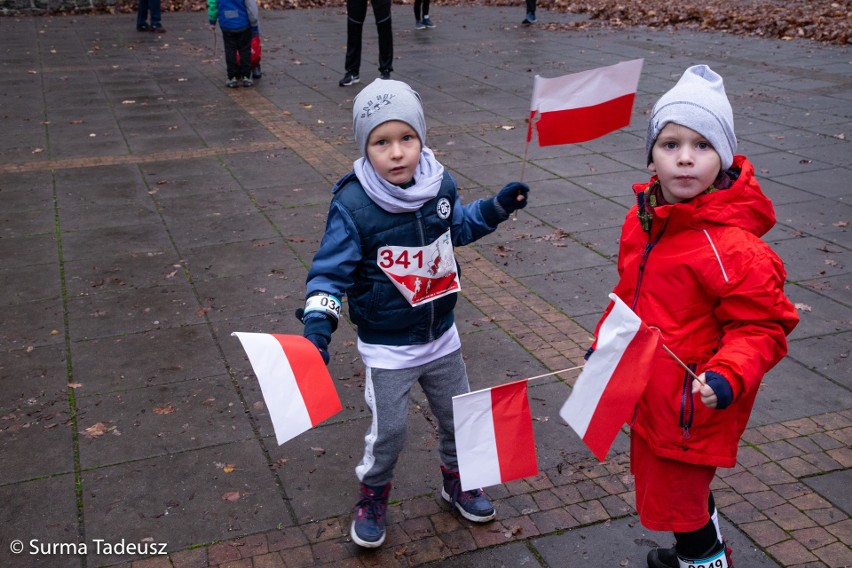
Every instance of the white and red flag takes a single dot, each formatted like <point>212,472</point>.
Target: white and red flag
<point>494,435</point>
<point>612,380</point>
<point>583,106</point>
<point>296,386</point>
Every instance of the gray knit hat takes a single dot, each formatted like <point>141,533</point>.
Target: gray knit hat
<point>384,100</point>
<point>697,101</point>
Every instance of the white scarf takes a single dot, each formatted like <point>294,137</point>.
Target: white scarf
<point>394,199</point>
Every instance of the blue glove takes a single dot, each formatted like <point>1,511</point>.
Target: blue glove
<point>508,196</point>
<point>321,343</point>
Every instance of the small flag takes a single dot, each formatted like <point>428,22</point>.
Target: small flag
<point>296,386</point>
<point>583,106</point>
<point>494,435</point>
<point>608,388</point>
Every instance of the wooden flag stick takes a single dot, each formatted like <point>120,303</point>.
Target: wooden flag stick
<point>555,373</point>
<point>524,162</point>
<point>682,364</point>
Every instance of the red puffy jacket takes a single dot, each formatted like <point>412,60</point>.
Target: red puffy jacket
<point>704,277</point>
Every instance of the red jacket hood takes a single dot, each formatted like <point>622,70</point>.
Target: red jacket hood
<point>742,205</point>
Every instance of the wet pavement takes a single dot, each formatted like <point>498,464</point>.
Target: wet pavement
<point>148,212</point>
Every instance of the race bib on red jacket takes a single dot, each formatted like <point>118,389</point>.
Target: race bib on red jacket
<point>422,274</point>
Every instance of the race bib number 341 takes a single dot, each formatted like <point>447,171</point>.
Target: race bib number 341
<point>422,274</point>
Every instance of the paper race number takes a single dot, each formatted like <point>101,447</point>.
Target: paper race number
<point>422,274</point>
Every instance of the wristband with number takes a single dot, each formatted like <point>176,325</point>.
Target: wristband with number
<point>323,303</point>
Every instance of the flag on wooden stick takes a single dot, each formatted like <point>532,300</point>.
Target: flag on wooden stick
<point>494,435</point>
<point>296,386</point>
<point>608,388</point>
<point>583,106</point>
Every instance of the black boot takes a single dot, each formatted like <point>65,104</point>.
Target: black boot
<point>662,558</point>
<point>668,558</point>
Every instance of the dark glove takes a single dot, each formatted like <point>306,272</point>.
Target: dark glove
<point>508,198</point>
<point>318,329</point>
<point>321,343</point>
<point>255,31</point>
<point>722,388</point>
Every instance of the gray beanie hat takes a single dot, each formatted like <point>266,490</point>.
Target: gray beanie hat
<point>697,101</point>
<point>384,100</point>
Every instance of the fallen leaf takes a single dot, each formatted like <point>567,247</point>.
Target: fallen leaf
<point>803,307</point>
<point>163,410</point>
<point>74,385</point>
<point>229,468</point>
<point>841,224</point>
<point>507,127</point>
<point>231,496</point>
<point>96,430</point>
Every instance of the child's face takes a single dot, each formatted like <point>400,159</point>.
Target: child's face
<point>394,150</point>
<point>684,161</point>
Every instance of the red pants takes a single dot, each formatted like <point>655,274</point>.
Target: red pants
<point>670,495</point>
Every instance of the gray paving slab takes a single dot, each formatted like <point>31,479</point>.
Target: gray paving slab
<point>834,487</point>
<point>42,513</point>
<point>625,542</point>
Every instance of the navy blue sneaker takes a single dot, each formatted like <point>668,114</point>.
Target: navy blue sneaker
<point>530,19</point>
<point>427,21</point>
<point>368,522</point>
<point>473,505</point>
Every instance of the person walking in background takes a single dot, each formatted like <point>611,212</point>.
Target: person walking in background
<point>238,20</point>
<point>388,246</point>
<point>142,10</point>
<point>691,263</point>
<point>356,13</point>
<point>421,15</point>
<point>530,17</point>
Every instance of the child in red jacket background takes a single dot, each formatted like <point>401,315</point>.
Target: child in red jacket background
<point>692,263</point>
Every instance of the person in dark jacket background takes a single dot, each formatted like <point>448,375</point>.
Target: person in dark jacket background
<point>144,8</point>
<point>691,263</point>
<point>238,20</point>
<point>356,14</point>
<point>388,246</point>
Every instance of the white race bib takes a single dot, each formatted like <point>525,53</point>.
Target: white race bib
<point>422,274</point>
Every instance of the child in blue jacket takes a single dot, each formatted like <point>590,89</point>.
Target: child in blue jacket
<point>238,20</point>
<point>388,245</point>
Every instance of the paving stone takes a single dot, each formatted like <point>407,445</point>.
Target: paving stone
<point>834,487</point>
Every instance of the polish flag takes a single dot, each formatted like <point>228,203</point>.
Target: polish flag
<point>296,386</point>
<point>584,106</point>
<point>607,390</point>
<point>494,435</point>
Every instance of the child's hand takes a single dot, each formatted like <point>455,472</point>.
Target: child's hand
<point>513,196</point>
<point>708,395</point>
<point>321,343</point>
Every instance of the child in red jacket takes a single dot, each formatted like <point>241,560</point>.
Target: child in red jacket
<point>691,263</point>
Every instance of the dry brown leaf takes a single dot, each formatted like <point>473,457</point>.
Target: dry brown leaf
<point>231,496</point>
<point>162,410</point>
<point>96,430</point>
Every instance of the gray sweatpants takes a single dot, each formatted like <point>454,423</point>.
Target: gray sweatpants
<point>387,393</point>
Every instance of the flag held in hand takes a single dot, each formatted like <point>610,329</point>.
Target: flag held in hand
<point>296,386</point>
<point>494,435</point>
<point>583,106</point>
<point>608,388</point>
